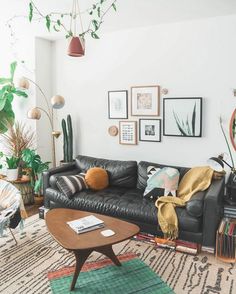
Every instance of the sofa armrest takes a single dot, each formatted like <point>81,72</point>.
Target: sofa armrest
<point>213,211</point>
<point>60,170</point>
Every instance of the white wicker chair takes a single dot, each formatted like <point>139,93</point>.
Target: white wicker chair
<point>10,201</point>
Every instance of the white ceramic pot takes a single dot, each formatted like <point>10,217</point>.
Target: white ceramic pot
<point>12,174</point>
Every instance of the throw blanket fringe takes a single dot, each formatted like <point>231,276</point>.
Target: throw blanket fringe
<point>196,179</point>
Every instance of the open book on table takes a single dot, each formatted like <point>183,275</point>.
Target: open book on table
<point>86,224</point>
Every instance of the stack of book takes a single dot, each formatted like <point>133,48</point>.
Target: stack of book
<point>187,247</point>
<point>145,237</point>
<point>86,224</point>
<point>226,239</point>
<point>230,211</point>
<point>165,243</point>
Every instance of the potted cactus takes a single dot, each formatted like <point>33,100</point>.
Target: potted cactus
<point>67,140</point>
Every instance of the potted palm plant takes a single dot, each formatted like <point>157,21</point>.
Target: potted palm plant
<point>34,162</point>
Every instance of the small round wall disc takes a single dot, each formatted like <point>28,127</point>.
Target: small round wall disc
<point>113,130</point>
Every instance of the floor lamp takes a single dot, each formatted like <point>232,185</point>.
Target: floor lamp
<point>57,102</point>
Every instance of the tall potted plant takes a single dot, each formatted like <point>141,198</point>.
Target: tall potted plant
<point>67,140</point>
<point>37,167</point>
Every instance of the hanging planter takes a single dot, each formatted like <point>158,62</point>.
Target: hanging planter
<point>59,21</point>
<point>76,47</point>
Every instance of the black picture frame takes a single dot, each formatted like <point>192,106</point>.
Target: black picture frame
<point>150,130</point>
<point>182,117</point>
<point>118,104</point>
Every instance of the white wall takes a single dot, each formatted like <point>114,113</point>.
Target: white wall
<point>43,78</point>
<point>192,59</point>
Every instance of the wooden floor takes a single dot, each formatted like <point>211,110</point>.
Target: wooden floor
<point>32,209</point>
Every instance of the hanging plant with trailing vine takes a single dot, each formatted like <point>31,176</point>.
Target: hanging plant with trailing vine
<point>58,22</point>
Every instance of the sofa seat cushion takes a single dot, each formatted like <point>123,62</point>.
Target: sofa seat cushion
<point>122,203</point>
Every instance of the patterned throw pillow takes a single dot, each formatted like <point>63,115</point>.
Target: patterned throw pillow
<point>161,182</point>
<point>69,185</point>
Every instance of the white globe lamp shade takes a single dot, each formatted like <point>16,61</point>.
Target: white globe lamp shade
<point>24,83</point>
<point>34,113</point>
<point>57,101</point>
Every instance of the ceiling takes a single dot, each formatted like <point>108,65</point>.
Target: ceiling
<point>130,13</point>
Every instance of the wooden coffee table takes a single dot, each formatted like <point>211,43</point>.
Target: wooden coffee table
<point>82,245</point>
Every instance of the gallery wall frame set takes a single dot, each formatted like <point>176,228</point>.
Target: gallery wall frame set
<point>150,130</point>
<point>182,117</point>
<point>118,104</point>
<point>145,100</point>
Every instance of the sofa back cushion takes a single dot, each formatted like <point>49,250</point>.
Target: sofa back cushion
<point>121,173</point>
<point>142,172</point>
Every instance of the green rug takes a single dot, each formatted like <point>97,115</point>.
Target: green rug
<point>134,276</point>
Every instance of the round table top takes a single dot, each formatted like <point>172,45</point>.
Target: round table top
<point>56,221</point>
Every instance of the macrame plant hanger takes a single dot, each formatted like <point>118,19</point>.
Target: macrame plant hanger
<point>77,45</point>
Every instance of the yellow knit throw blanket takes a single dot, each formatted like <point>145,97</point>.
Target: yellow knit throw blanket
<point>196,179</point>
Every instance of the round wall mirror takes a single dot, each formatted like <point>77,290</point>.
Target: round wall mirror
<point>232,129</point>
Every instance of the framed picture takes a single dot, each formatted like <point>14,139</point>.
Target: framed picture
<point>145,100</point>
<point>128,132</point>
<point>150,130</point>
<point>118,104</point>
<point>182,117</point>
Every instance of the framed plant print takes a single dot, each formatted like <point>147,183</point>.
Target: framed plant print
<point>128,132</point>
<point>145,100</point>
<point>118,104</point>
<point>150,130</point>
<point>182,117</point>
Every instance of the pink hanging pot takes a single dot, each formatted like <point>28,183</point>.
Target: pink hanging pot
<point>76,47</point>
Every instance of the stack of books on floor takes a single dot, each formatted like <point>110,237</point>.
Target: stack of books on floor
<point>178,245</point>
<point>230,211</point>
<point>165,243</point>
<point>145,237</point>
<point>86,224</point>
<point>187,247</point>
<point>226,239</point>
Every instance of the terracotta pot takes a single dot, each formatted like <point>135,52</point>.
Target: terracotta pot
<point>76,47</point>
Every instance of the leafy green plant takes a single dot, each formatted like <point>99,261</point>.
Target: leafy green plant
<point>1,156</point>
<point>12,162</point>
<point>186,128</point>
<point>57,21</point>
<point>67,139</point>
<point>37,167</point>
<point>7,93</point>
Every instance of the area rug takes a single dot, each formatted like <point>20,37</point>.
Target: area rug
<point>134,276</point>
<point>24,267</point>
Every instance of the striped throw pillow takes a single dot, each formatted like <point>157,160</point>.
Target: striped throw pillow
<point>69,185</point>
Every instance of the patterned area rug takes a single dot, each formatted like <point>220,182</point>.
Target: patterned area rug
<point>134,276</point>
<point>24,267</point>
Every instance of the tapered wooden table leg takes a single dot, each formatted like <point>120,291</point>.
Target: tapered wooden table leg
<point>80,257</point>
<point>108,251</point>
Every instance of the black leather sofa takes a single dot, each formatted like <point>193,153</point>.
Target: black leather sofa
<point>198,221</point>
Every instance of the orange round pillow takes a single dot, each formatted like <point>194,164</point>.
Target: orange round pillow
<point>97,178</point>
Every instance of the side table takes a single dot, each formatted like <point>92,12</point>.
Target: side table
<point>26,190</point>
